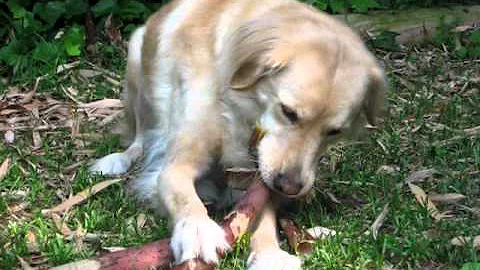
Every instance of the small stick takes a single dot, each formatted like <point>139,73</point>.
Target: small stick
<point>158,254</point>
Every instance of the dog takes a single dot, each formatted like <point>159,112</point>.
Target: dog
<point>202,74</point>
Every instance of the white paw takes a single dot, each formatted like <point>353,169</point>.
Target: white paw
<point>112,165</point>
<point>195,237</point>
<point>273,259</point>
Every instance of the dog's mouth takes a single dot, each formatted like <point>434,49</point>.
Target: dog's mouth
<point>282,185</point>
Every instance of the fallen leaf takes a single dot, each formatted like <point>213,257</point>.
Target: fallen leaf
<point>423,199</point>
<point>4,168</point>
<point>37,140</point>
<point>86,237</point>
<point>447,198</point>
<point>379,221</point>
<point>32,244</point>
<point>113,249</point>
<point>462,28</point>
<point>15,194</point>
<point>38,259</point>
<point>81,197</point>
<point>112,81</point>
<point>462,240</point>
<point>104,103</point>
<point>89,73</point>
<point>333,197</point>
<point>78,237</point>
<point>318,232</point>
<point>68,66</point>
<point>141,220</point>
<point>9,136</point>
<point>112,31</point>
<point>61,225</point>
<point>472,131</point>
<point>386,169</point>
<point>24,264</point>
<point>18,207</point>
<point>27,98</point>
<point>420,176</point>
<point>68,92</point>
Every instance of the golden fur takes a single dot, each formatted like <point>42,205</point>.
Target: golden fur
<point>202,73</point>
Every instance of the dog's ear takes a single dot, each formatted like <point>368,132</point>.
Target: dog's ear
<point>374,102</point>
<point>252,53</point>
<point>247,75</point>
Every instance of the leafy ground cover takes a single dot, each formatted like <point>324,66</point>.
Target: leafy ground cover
<point>416,177</point>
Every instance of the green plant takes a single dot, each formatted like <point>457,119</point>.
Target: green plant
<point>340,6</point>
<point>37,36</point>
<point>470,47</point>
<point>463,44</point>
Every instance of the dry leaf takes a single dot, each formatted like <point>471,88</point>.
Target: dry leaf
<point>141,220</point>
<point>318,232</point>
<point>472,131</point>
<point>37,140</point>
<point>4,168</point>
<point>32,244</point>
<point>9,136</point>
<point>8,112</point>
<point>423,199</point>
<point>386,169</point>
<point>447,198</point>
<point>86,237</point>
<point>461,241</point>
<point>61,225</point>
<point>333,197</point>
<point>462,28</point>
<point>15,194</point>
<point>38,259</point>
<point>113,249</point>
<point>78,237</point>
<point>81,197</point>
<point>420,176</point>
<point>89,73</point>
<point>18,207</point>
<point>112,81</point>
<point>379,221</point>
<point>68,66</point>
<point>112,31</point>
<point>104,103</point>
<point>24,264</point>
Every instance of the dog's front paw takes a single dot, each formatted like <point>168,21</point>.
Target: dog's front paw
<point>112,165</point>
<point>273,259</point>
<point>198,237</point>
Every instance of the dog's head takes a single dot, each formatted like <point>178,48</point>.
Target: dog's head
<point>316,85</point>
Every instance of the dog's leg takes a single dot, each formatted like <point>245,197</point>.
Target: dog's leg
<point>195,235</point>
<point>119,163</point>
<point>266,252</point>
<point>195,140</point>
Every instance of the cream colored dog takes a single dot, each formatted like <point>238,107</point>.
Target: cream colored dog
<point>202,73</point>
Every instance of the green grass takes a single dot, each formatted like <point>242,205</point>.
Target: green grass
<point>426,109</point>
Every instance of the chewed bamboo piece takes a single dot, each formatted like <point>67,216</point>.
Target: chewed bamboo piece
<point>300,240</point>
<point>158,254</point>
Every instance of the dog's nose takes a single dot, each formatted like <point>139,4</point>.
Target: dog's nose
<point>286,185</point>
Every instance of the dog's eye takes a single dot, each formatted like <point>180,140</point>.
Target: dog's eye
<point>334,132</point>
<point>290,114</point>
